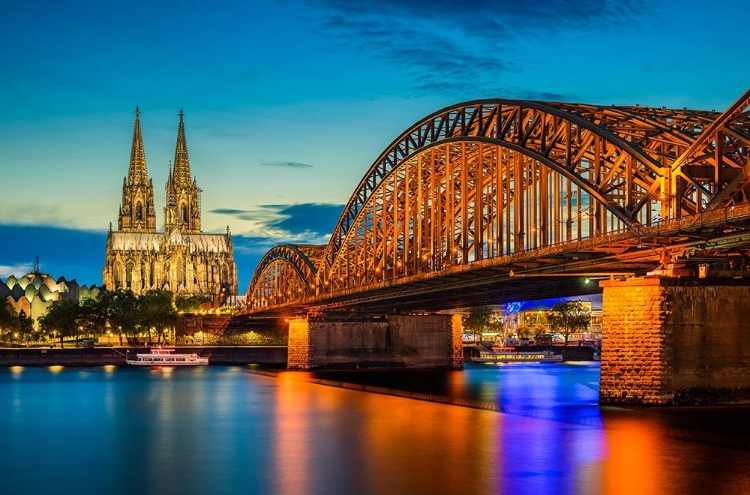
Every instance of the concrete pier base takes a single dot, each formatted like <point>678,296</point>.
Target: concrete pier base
<point>385,341</point>
<point>675,341</point>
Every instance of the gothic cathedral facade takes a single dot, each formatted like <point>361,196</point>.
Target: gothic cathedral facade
<point>181,259</point>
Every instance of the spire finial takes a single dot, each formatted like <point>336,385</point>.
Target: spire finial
<point>181,113</point>
<point>137,111</point>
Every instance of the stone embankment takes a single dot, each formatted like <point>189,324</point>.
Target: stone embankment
<point>99,356</point>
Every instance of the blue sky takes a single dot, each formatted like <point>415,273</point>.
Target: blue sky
<point>287,103</point>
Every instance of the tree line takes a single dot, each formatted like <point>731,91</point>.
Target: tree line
<point>564,318</point>
<point>122,312</point>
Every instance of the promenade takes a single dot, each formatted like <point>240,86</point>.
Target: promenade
<point>99,356</point>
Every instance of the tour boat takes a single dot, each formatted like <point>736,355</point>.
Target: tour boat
<point>160,356</point>
<point>512,355</point>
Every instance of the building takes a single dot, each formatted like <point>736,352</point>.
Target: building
<point>533,315</point>
<point>181,259</point>
<point>34,292</point>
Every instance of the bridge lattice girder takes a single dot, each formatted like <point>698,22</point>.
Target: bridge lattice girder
<point>284,273</point>
<point>490,178</point>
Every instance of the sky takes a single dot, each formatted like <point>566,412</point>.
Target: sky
<point>288,103</point>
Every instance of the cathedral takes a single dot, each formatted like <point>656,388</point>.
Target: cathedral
<point>181,259</point>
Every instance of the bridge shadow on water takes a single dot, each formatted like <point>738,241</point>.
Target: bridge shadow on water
<point>566,394</point>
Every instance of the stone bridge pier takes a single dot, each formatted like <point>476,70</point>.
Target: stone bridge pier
<point>382,341</point>
<point>675,341</point>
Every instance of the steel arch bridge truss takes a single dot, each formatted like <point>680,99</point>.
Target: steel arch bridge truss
<point>284,275</point>
<point>490,178</point>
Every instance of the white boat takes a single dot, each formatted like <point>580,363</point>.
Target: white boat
<point>512,355</point>
<point>160,356</point>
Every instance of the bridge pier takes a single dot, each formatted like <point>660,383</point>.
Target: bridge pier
<point>383,341</point>
<point>675,341</point>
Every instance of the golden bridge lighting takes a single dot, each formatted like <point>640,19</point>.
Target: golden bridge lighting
<point>470,187</point>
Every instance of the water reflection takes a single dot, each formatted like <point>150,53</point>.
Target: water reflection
<point>488,429</point>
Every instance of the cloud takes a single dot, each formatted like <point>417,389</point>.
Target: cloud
<point>17,270</point>
<point>256,231</point>
<point>286,164</point>
<point>452,48</point>
<point>228,211</point>
<point>79,215</point>
<point>69,253</point>
<point>270,225</point>
<point>314,218</point>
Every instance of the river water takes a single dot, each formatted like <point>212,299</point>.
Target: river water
<point>507,429</point>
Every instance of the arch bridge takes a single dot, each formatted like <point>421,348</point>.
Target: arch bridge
<point>480,191</point>
<point>492,201</point>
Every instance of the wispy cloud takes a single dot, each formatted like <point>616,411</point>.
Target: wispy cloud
<point>16,270</point>
<point>270,225</point>
<point>287,164</point>
<point>452,48</point>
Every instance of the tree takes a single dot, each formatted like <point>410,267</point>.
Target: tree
<point>92,317</point>
<point>8,319</point>
<point>122,312</point>
<point>158,312</point>
<point>477,319</point>
<point>190,303</point>
<point>523,331</point>
<point>25,326</point>
<point>569,316</point>
<point>61,318</point>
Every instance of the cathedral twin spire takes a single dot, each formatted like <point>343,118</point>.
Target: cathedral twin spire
<point>183,195</point>
<point>137,209</point>
<point>182,208</point>
<point>137,172</point>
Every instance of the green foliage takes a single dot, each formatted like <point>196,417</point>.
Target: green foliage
<point>61,318</point>
<point>92,317</point>
<point>537,328</point>
<point>157,312</point>
<point>567,317</point>
<point>190,303</point>
<point>127,313</point>
<point>523,331</point>
<point>121,311</point>
<point>257,337</point>
<point>25,326</point>
<point>479,319</point>
<point>9,322</point>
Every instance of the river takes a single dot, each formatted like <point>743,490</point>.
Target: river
<point>506,429</point>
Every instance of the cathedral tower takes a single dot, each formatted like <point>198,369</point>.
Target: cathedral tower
<point>137,209</point>
<point>183,207</point>
<point>181,259</point>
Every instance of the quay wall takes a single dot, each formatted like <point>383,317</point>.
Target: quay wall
<point>675,341</point>
<point>390,341</point>
<point>99,356</point>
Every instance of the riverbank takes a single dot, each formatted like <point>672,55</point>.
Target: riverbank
<point>220,355</point>
<point>99,356</point>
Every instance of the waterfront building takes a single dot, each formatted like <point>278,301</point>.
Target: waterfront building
<point>182,258</point>
<point>34,292</point>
